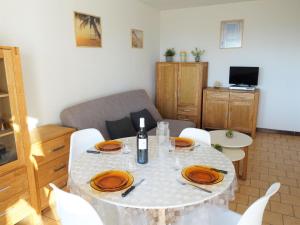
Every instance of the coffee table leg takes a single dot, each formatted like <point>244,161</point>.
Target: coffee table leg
<point>161,217</point>
<point>237,168</point>
<point>245,164</point>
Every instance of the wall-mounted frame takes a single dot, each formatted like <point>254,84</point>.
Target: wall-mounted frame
<point>87,30</point>
<point>137,38</point>
<point>231,34</point>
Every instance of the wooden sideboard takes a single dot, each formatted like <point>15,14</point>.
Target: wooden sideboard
<point>50,146</point>
<point>179,89</point>
<point>230,109</point>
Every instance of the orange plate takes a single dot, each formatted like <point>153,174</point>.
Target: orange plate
<point>112,180</point>
<point>109,146</point>
<point>201,175</point>
<point>181,142</point>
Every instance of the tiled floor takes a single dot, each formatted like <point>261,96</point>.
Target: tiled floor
<point>272,157</point>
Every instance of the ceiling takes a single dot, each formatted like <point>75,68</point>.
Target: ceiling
<point>175,4</point>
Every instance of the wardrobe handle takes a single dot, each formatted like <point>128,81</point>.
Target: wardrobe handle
<point>4,189</point>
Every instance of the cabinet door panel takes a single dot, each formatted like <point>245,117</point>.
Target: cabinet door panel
<point>166,89</point>
<point>189,85</point>
<point>241,115</point>
<point>215,114</point>
<point>10,135</point>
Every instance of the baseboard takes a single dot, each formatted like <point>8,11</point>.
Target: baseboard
<point>265,130</point>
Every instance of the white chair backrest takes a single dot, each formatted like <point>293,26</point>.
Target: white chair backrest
<point>81,140</point>
<point>73,210</point>
<point>197,134</point>
<point>254,214</point>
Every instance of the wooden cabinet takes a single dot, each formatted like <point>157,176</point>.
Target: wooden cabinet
<point>17,189</point>
<point>229,109</point>
<point>50,152</point>
<point>179,90</point>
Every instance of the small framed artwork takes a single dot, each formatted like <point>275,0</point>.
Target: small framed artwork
<point>87,30</point>
<point>231,34</point>
<point>137,38</point>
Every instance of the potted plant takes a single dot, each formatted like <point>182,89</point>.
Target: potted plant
<point>197,53</point>
<point>169,54</point>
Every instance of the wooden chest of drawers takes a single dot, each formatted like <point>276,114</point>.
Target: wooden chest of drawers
<point>50,149</point>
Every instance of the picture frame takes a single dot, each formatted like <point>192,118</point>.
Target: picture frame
<point>231,34</point>
<point>137,38</point>
<point>88,30</point>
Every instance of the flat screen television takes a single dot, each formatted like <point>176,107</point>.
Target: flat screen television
<point>243,76</point>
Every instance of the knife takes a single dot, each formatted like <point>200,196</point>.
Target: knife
<point>93,151</point>
<point>124,194</point>
<point>220,171</point>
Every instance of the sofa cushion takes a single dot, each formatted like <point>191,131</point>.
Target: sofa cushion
<point>175,126</point>
<point>150,122</point>
<point>120,128</point>
<point>93,114</point>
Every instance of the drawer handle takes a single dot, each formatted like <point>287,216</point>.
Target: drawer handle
<point>58,148</point>
<point>4,189</point>
<point>187,110</point>
<point>60,168</point>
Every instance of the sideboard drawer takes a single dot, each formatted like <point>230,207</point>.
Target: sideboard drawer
<point>13,183</point>
<point>239,96</point>
<point>217,95</point>
<point>52,170</point>
<point>45,192</point>
<point>49,150</point>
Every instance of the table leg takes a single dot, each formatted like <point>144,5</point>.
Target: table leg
<point>245,164</point>
<point>161,217</point>
<point>237,168</point>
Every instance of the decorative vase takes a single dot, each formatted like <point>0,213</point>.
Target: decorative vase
<point>197,58</point>
<point>169,58</point>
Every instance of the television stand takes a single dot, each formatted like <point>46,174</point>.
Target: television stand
<point>242,87</point>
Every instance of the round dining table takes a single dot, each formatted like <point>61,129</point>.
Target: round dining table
<point>164,197</point>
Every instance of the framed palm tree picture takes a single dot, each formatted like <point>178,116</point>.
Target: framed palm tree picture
<point>87,30</point>
<point>137,38</point>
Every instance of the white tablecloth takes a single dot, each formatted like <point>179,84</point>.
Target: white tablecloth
<point>160,199</point>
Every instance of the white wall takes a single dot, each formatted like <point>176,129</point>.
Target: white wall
<point>56,73</point>
<point>271,41</point>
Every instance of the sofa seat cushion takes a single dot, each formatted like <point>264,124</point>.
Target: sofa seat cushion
<point>120,128</point>
<point>175,126</point>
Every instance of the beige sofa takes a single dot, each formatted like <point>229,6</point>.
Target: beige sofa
<point>94,113</point>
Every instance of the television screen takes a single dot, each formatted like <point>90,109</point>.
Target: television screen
<point>243,75</point>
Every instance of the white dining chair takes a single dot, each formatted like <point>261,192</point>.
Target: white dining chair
<point>74,210</point>
<point>221,216</point>
<point>81,140</point>
<point>196,134</point>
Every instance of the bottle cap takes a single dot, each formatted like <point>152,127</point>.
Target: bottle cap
<point>142,122</point>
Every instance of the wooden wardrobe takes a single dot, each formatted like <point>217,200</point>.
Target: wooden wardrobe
<point>179,89</point>
<point>17,184</point>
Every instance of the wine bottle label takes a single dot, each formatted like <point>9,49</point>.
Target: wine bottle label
<point>142,144</point>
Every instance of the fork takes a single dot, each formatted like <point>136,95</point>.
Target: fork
<point>184,183</point>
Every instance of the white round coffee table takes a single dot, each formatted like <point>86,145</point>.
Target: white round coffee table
<point>239,140</point>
